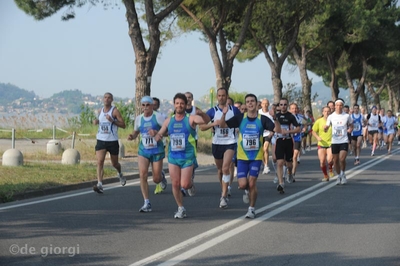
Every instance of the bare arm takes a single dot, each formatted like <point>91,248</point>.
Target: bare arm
<point>119,121</point>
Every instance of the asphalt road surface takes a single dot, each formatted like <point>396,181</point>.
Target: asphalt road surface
<point>313,223</point>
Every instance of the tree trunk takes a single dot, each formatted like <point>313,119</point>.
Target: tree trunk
<point>145,59</point>
<point>364,101</point>
<point>333,84</point>
<point>276,82</point>
<point>306,83</point>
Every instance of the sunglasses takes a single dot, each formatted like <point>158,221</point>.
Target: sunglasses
<point>283,104</point>
<point>145,105</point>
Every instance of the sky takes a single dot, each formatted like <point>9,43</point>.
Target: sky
<point>93,53</point>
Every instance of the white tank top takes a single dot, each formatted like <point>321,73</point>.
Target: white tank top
<point>373,122</point>
<point>223,136</point>
<point>108,131</point>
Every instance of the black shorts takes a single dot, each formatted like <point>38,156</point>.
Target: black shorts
<point>218,150</point>
<point>355,138</point>
<point>297,145</point>
<point>372,132</point>
<point>267,139</point>
<point>111,146</point>
<point>284,149</point>
<point>336,148</point>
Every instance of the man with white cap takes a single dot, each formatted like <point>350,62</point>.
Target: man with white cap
<point>151,151</point>
<point>341,125</point>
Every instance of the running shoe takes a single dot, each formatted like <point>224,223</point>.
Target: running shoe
<point>229,191</point>
<point>372,153</point>
<point>246,196</point>
<point>331,174</point>
<point>158,189</point>
<point>338,180</point>
<point>281,188</point>
<point>181,213</point>
<point>145,208</point>
<point>122,179</point>
<point>356,161</point>
<point>303,151</point>
<point>298,160</point>
<point>163,181</point>
<point>325,179</point>
<point>251,214</point>
<point>289,178</point>
<point>266,170</point>
<point>184,193</point>
<point>275,180</point>
<point>98,188</point>
<point>223,203</point>
<point>309,148</point>
<point>285,170</point>
<point>344,180</point>
<point>191,191</point>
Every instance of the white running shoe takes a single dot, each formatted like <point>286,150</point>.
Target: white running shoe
<point>303,151</point>
<point>298,159</point>
<point>251,214</point>
<point>98,188</point>
<point>266,170</point>
<point>338,180</point>
<point>344,180</point>
<point>122,179</point>
<point>275,180</point>
<point>145,208</point>
<point>223,203</point>
<point>181,213</point>
<point>229,191</point>
<point>246,196</point>
<point>309,148</point>
<point>191,191</point>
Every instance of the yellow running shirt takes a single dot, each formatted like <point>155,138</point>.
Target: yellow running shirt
<point>326,137</point>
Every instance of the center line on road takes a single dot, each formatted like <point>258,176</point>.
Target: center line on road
<point>315,190</point>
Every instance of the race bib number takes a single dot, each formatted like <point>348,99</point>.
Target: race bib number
<point>177,142</point>
<point>286,128</point>
<point>105,128</point>
<point>148,141</point>
<point>223,132</point>
<point>374,124</point>
<point>251,142</point>
<point>339,131</point>
<point>357,126</point>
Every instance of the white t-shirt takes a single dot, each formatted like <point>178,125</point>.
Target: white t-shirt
<point>339,123</point>
<point>373,122</point>
<point>266,132</point>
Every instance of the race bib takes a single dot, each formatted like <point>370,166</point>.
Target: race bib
<point>339,131</point>
<point>357,126</point>
<point>105,128</point>
<point>177,142</point>
<point>222,132</point>
<point>374,124</point>
<point>251,142</point>
<point>148,141</point>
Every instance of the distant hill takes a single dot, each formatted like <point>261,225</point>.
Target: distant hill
<point>10,93</point>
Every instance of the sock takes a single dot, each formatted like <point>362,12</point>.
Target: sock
<point>341,172</point>
<point>99,183</point>
<point>323,168</point>
<point>330,167</point>
<point>252,209</point>
<point>146,201</point>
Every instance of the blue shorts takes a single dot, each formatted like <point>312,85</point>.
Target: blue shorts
<point>183,163</point>
<point>152,157</point>
<point>248,168</point>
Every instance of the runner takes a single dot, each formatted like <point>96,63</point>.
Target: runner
<point>382,115</point>
<point>373,122</point>
<point>250,150</point>
<point>109,120</point>
<point>265,111</point>
<point>324,143</point>
<point>297,139</point>
<point>389,124</point>
<point>181,128</point>
<point>308,130</point>
<point>284,143</point>
<point>356,134</point>
<point>150,151</point>
<point>223,142</point>
<point>341,125</point>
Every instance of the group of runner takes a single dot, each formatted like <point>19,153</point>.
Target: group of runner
<point>243,135</point>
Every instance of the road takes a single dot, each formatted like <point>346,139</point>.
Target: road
<point>313,223</point>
